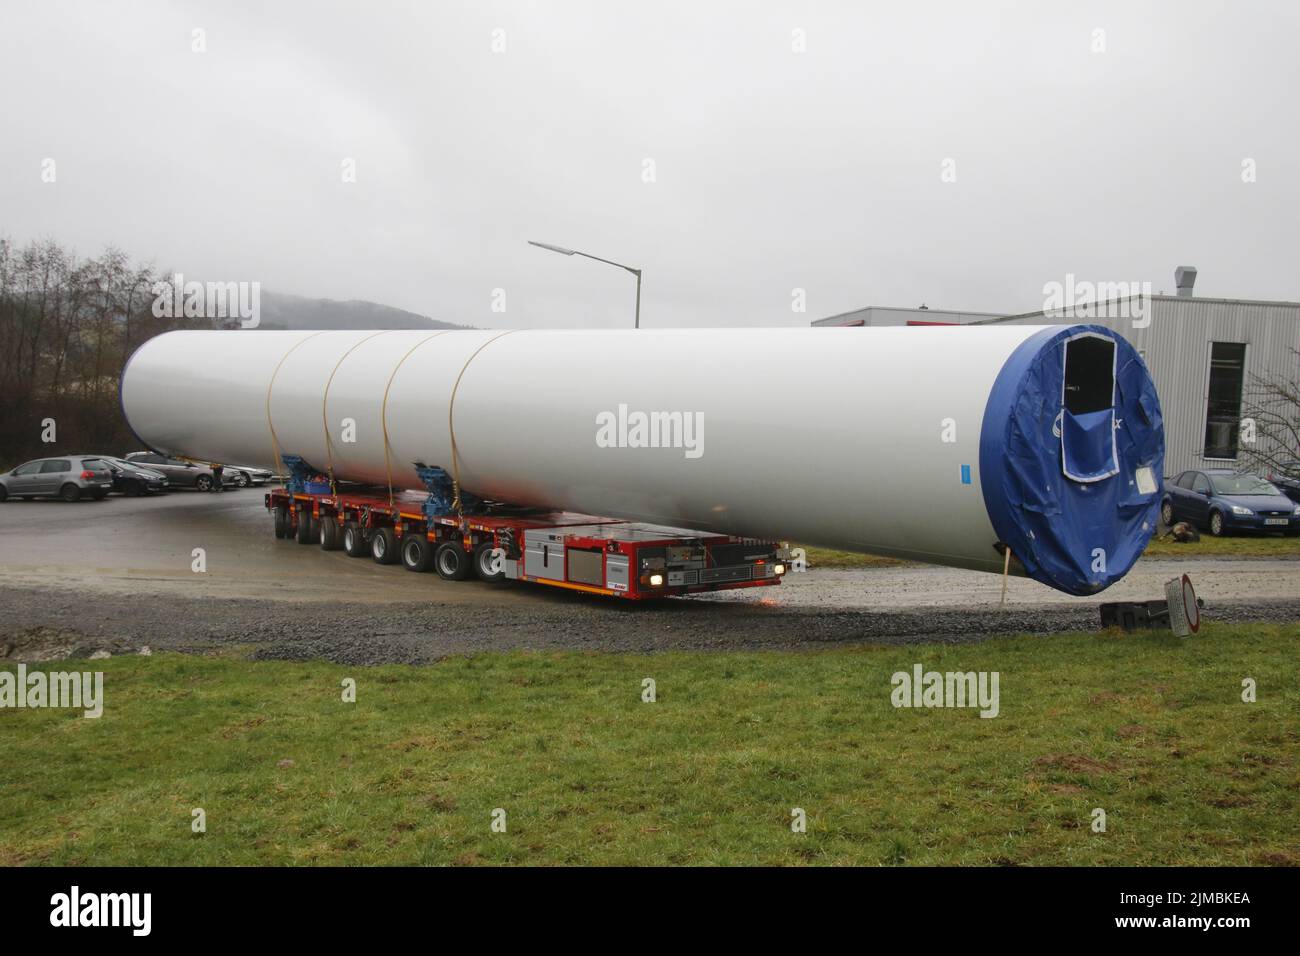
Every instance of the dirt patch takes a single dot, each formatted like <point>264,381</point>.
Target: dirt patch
<point>1231,801</point>
<point>247,725</point>
<point>1280,858</point>
<point>31,645</point>
<point>439,804</point>
<point>1074,763</point>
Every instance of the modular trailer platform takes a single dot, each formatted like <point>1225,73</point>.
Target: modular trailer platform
<point>606,556</point>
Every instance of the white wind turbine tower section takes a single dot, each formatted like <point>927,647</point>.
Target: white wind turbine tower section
<point>938,444</point>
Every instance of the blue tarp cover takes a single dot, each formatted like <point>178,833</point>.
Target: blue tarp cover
<point>1062,490</point>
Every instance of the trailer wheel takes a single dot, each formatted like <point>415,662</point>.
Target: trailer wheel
<point>383,546</point>
<point>485,565</point>
<point>330,539</point>
<point>282,524</point>
<point>451,561</point>
<point>417,552</point>
<point>354,540</point>
<point>306,528</point>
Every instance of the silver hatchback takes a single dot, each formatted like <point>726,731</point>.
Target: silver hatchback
<point>71,477</point>
<point>182,474</point>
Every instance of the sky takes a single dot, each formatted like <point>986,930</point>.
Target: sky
<point>764,163</point>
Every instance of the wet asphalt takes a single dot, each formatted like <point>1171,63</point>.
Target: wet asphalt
<point>119,575</point>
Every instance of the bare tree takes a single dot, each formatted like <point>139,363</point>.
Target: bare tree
<point>1270,426</point>
<point>67,326</point>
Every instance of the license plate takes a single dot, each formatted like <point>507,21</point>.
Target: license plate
<point>1275,521</point>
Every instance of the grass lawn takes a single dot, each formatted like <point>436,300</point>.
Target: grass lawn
<point>1236,546</point>
<point>1150,729</point>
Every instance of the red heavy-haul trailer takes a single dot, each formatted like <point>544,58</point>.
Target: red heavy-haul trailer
<point>621,559</point>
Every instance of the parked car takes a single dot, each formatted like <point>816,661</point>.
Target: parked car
<point>1287,477</point>
<point>181,474</point>
<point>246,475</point>
<point>69,477</point>
<point>132,480</point>
<point>1224,500</point>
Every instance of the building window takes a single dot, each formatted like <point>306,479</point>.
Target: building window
<point>1223,402</point>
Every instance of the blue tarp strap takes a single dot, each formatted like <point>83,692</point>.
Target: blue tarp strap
<point>299,473</point>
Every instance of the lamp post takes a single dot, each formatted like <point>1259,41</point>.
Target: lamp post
<point>574,252</point>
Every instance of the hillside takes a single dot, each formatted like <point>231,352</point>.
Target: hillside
<point>283,311</point>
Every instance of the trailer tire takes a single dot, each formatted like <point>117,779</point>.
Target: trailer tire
<point>451,561</point>
<point>483,563</point>
<point>283,528</point>
<point>330,538</point>
<point>383,546</point>
<point>306,528</point>
<point>417,552</point>
<point>354,541</point>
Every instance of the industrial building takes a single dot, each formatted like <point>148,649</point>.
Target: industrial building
<point>875,315</point>
<point>1203,353</point>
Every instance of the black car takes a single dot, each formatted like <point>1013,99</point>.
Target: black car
<point>132,480</point>
<point>1287,478</point>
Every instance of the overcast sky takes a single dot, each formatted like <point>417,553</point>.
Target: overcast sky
<point>772,169</point>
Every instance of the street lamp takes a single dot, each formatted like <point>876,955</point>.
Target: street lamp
<point>574,252</point>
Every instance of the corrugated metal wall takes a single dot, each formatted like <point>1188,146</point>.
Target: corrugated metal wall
<point>1176,347</point>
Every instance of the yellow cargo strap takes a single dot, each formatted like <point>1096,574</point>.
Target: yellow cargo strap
<point>451,425</point>
<point>329,444</point>
<point>275,442</point>
<point>383,410</point>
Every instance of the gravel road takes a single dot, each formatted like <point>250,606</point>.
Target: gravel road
<point>116,576</point>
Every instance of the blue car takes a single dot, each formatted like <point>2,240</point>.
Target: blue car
<point>1223,500</point>
<point>1286,475</point>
